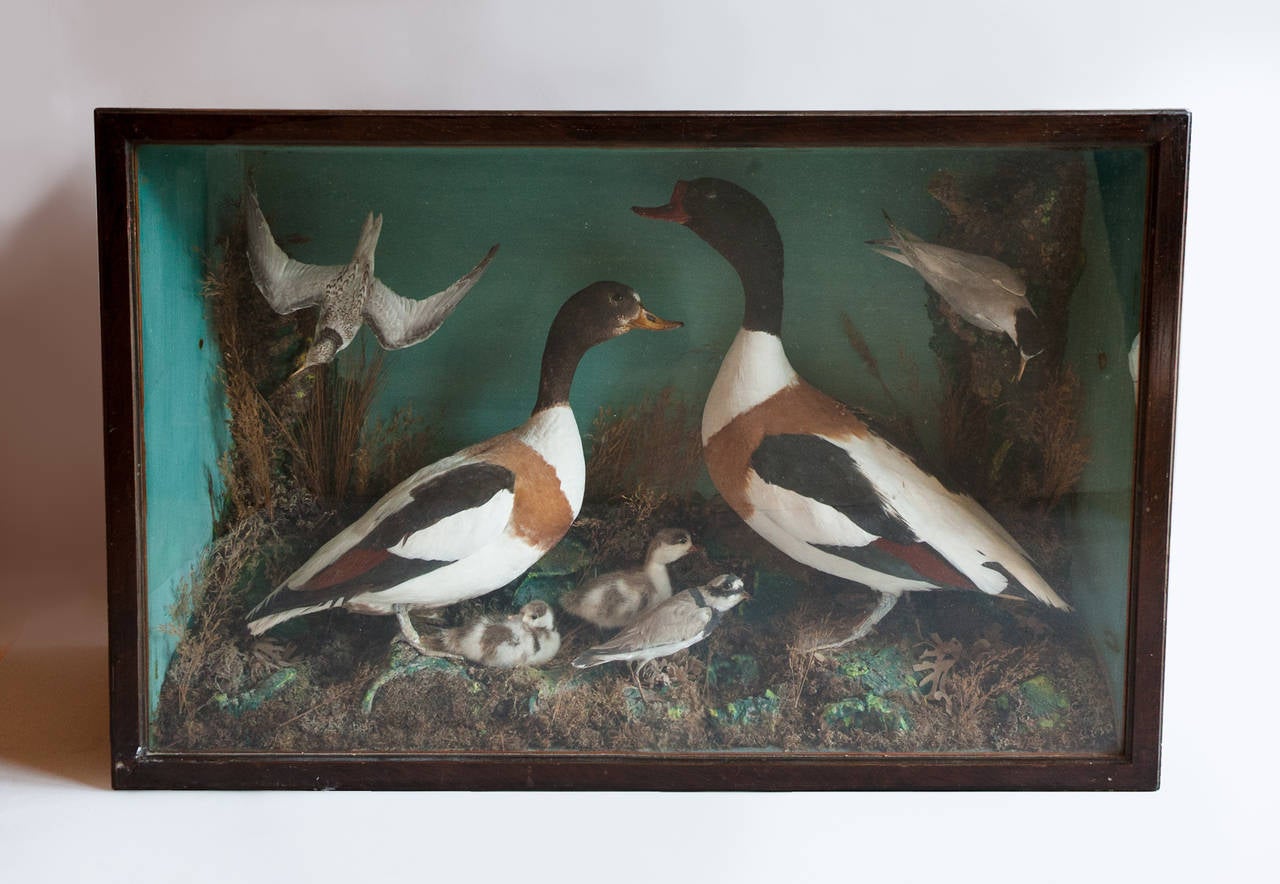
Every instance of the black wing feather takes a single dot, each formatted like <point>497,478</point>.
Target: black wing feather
<point>821,470</point>
<point>460,489</point>
<point>369,565</point>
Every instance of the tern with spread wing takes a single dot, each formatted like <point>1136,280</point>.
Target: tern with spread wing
<point>348,295</point>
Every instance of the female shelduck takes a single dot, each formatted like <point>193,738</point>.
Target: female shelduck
<point>615,599</point>
<point>347,295</point>
<point>527,638</point>
<point>802,470</point>
<point>986,293</point>
<point>475,521</point>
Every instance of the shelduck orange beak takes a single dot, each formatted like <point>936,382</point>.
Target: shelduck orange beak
<point>672,211</point>
<point>646,320</point>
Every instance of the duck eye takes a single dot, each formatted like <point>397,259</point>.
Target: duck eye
<point>615,298</point>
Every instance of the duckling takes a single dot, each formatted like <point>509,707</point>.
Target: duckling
<point>680,622</point>
<point>803,470</point>
<point>473,522</point>
<point>615,599</point>
<point>347,295</point>
<point>985,292</point>
<point>528,638</point>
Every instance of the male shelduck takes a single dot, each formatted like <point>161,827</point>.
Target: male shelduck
<point>473,522</point>
<point>615,599</point>
<point>985,293</point>
<point>347,295</point>
<point>802,470</point>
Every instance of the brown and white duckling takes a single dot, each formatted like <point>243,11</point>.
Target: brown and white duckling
<point>347,295</point>
<point>987,294</point>
<point>472,522</point>
<point>528,638</point>
<point>803,470</point>
<point>681,621</point>
<point>615,599</point>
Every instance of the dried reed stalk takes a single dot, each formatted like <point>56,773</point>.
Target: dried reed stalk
<point>325,441</point>
<point>653,444</point>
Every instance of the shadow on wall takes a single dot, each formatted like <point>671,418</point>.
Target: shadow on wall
<point>51,505</point>
<point>51,379</point>
<point>62,727</point>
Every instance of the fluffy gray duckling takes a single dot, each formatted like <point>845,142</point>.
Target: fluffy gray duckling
<point>986,293</point>
<point>528,638</point>
<point>615,599</point>
<point>348,295</point>
<point>681,621</point>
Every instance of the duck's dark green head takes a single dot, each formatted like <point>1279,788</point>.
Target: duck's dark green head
<point>730,218</point>
<point>597,313</point>
<point>601,311</point>
<point>739,226</point>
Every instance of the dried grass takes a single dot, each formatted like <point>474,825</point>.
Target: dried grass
<point>1052,427</point>
<point>986,672</point>
<point>625,534</point>
<point>653,444</point>
<point>246,468</point>
<point>326,440</point>
<point>208,607</point>
<point>393,448</point>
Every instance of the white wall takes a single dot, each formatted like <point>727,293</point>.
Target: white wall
<point>59,60</point>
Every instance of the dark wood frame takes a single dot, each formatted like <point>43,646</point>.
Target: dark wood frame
<point>1164,134</point>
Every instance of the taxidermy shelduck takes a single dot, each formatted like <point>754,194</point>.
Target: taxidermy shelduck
<point>615,599</point>
<point>475,521</point>
<point>681,621</point>
<point>986,293</point>
<point>347,295</point>
<point>805,472</point>
<point>528,638</point>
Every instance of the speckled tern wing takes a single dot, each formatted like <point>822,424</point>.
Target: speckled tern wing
<point>431,520</point>
<point>288,285</point>
<point>400,322</point>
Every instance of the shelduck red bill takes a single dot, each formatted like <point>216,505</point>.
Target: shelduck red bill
<point>673,211</point>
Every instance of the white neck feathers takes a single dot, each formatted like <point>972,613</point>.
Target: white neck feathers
<point>553,433</point>
<point>754,369</point>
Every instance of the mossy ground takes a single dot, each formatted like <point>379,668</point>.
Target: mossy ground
<point>1022,679</point>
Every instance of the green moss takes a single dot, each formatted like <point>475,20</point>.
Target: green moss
<point>567,557</point>
<point>740,670</point>
<point>401,666</point>
<point>547,588</point>
<point>1045,703</point>
<point>772,595</point>
<point>258,694</point>
<point>882,671</point>
<point>872,712</point>
<point>748,710</point>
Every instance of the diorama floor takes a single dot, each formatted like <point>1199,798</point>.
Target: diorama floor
<point>943,672</point>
